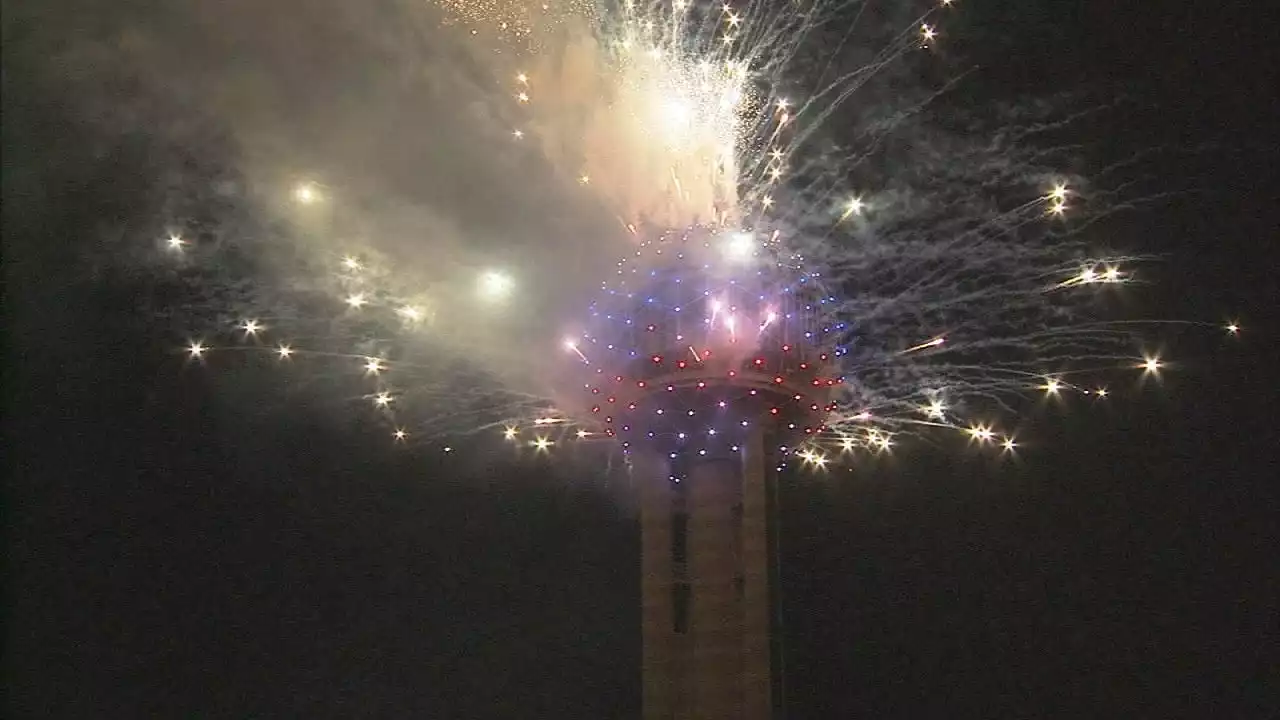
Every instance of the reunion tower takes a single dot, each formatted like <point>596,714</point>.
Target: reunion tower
<point>706,358</point>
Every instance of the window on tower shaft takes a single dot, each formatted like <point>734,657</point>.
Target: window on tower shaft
<point>681,594</point>
<point>679,537</point>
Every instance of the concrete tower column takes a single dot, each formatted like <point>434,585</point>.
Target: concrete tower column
<point>705,587</point>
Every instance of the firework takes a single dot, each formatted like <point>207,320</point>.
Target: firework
<point>938,294</point>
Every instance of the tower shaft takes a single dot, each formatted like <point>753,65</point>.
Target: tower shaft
<point>705,589</point>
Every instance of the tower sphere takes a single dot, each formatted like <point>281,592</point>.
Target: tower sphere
<point>700,335</point>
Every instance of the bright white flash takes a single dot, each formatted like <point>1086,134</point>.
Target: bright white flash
<point>495,285</point>
<point>740,246</point>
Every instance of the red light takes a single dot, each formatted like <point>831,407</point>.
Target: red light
<point>701,384</point>
<point>808,431</point>
<point>631,406</point>
<point>831,382</point>
<point>682,364</point>
<point>814,407</point>
<point>804,366</point>
<point>651,328</point>
<point>595,391</point>
<point>656,358</point>
<point>817,382</point>
<point>759,362</point>
<point>609,420</point>
<point>786,348</point>
<point>823,356</point>
<point>706,353</point>
<point>595,409</point>
<point>773,411</point>
<point>612,399</point>
<point>777,379</point>
<point>640,383</point>
<point>618,378</point>
<point>671,388</point>
<point>733,373</point>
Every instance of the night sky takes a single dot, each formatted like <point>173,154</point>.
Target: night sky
<point>178,550</point>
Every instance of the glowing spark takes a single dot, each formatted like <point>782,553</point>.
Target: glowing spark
<point>373,366</point>
<point>400,435</point>
<point>1111,274</point>
<point>357,301</point>
<point>853,207</point>
<point>522,78</point>
<point>1051,386</point>
<point>196,350</point>
<point>176,243</point>
<point>252,327</point>
<point>410,313</point>
<point>1100,392</point>
<point>1232,328</point>
<point>1151,364</point>
<point>572,346</point>
<point>981,433</point>
<point>350,262</point>
<point>936,410</point>
<point>1008,445</point>
<point>542,443</point>
<point>306,193</point>
<point>927,33</point>
<point>924,345</point>
<point>523,97</point>
<point>382,399</point>
<point>284,352</point>
<point>518,134</point>
<point>582,434</point>
<point>510,433</point>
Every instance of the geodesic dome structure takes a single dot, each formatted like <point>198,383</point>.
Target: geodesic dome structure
<point>701,337</point>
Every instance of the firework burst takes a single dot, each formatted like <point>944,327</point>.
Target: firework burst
<point>919,279</point>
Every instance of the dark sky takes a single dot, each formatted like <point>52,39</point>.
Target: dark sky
<point>174,555</point>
